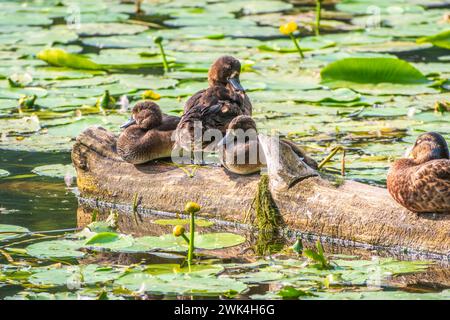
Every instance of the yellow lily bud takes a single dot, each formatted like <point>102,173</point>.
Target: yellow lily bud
<point>192,207</point>
<point>178,230</point>
<point>288,28</point>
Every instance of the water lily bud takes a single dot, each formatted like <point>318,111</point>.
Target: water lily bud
<point>158,39</point>
<point>178,230</point>
<point>288,28</point>
<point>106,101</point>
<point>192,207</point>
<point>27,102</point>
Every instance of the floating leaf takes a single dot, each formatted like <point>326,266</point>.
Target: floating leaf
<point>61,58</point>
<point>441,39</point>
<point>372,70</point>
<point>55,170</point>
<point>55,249</point>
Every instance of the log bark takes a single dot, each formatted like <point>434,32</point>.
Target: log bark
<point>351,212</point>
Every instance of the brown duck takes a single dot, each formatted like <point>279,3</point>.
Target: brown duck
<point>242,152</point>
<point>224,85</point>
<point>422,183</point>
<point>215,106</point>
<point>147,135</point>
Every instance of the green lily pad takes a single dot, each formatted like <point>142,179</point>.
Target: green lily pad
<point>218,240</point>
<point>372,70</point>
<point>75,276</point>
<point>55,249</point>
<point>441,39</point>
<point>106,29</point>
<point>180,284</point>
<point>55,170</point>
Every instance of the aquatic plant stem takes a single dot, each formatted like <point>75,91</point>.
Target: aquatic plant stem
<point>318,16</point>
<point>191,239</point>
<point>332,153</point>
<point>163,54</point>
<point>296,45</point>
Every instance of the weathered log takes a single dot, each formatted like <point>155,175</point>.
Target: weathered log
<point>355,213</point>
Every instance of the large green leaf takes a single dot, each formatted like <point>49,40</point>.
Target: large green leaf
<point>441,39</point>
<point>55,249</point>
<point>372,70</point>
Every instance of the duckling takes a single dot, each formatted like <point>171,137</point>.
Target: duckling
<point>422,184</point>
<point>224,85</point>
<point>245,156</point>
<point>147,135</point>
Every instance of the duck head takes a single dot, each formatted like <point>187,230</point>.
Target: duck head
<point>146,114</point>
<point>243,127</point>
<point>224,71</point>
<point>430,146</point>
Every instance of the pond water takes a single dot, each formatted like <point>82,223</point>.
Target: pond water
<point>376,123</point>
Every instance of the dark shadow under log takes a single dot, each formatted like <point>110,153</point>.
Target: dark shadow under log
<point>352,212</point>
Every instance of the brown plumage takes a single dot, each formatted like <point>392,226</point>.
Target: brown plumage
<point>215,106</point>
<point>422,183</point>
<point>242,153</point>
<point>147,135</point>
<point>224,85</point>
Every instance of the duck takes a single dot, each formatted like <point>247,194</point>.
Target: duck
<point>241,153</point>
<point>224,85</point>
<point>421,182</point>
<point>147,135</point>
<point>215,106</point>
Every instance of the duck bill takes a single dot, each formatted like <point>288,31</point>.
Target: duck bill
<point>236,84</point>
<point>130,122</point>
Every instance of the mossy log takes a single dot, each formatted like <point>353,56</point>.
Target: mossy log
<point>350,212</point>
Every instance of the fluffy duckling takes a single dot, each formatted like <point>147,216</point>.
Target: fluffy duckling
<point>147,135</point>
<point>422,183</point>
<point>224,85</point>
<point>242,152</point>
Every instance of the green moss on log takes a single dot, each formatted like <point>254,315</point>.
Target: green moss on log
<point>268,220</point>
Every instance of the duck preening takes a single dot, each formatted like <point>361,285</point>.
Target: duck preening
<point>216,106</point>
<point>421,183</point>
<point>147,135</point>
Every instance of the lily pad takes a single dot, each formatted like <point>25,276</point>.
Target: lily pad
<point>441,39</point>
<point>372,70</point>
<point>56,249</point>
<point>55,170</point>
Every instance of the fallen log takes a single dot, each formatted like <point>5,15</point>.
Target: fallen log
<point>351,212</point>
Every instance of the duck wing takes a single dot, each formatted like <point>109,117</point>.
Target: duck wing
<point>194,100</point>
<point>431,186</point>
<point>168,123</point>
